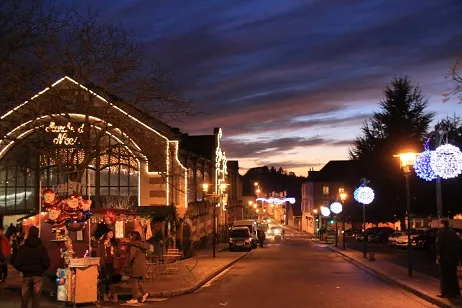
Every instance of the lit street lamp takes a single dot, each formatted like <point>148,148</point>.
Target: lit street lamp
<point>343,197</point>
<point>407,161</point>
<point>215,200</point>
<point>364,195</point>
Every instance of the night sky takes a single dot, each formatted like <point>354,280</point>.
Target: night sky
<point>291,82</point>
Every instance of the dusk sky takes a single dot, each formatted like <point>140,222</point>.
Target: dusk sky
<point>291,82</point>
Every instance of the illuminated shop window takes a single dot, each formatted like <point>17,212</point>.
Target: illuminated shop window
<point>119,229</point>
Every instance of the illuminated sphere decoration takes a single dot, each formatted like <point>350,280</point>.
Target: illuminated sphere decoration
<point>325,211</point>
<point>446,161</point>
<point>336,207</point>
<point>364,195</point>
<point>422,166</point>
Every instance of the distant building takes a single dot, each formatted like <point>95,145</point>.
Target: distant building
<point>324,187</point>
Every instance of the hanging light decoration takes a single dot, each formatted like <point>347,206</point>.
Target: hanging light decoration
<point>446,161</point>
<point>364,195</point>
<point>336,207</point>
<point>325,211</point>
<point>422,166</point>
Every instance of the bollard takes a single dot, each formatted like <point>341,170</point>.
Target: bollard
<point>371,256</point>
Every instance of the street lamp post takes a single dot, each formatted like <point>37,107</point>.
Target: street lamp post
<point>343,198</point>
<point>364,195</point>
<point>316,222</point>
<point>407,161</point>
<point>215,199</point>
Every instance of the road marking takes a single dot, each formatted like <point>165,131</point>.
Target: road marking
<point>208,284</point>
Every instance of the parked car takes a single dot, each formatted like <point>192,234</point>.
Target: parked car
<point>402,241</point>
<point>393,237</point>
<point>368,233</point>
<point>252,226</point>
<point>381,236</point>
<point>240,239</point>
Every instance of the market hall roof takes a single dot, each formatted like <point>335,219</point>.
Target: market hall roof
<point>67,83</point>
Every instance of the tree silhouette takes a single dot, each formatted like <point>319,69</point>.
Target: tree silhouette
<point>400,125</point>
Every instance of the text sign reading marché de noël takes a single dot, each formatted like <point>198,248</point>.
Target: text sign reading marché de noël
<point>66,133</point>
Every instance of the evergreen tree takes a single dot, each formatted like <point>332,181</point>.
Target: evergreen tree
<point>402,123</point>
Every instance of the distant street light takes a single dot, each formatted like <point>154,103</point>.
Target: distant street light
<point>407,161</point>
<point>215,199</point>
<point>336,208</point>
<point>343,197</point>
<point>364,195</point>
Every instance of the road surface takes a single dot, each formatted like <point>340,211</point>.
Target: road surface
<point>295,273</point>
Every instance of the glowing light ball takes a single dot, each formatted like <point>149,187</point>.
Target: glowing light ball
<point>336,207</point>
<point>446,161</point>
<point>422,166</point>
<point>364,195</point>
<point>325,211</point>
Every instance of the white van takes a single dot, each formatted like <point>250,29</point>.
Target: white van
<point>252,225</point>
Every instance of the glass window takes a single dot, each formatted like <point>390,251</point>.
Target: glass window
<point>341,190</point>
<point>104,177</point>
<point>104,191</point>
<point>325,190</point>
<point>18,185</point>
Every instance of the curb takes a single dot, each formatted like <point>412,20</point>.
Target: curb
<point>195,287</point>
<point>388,279</point>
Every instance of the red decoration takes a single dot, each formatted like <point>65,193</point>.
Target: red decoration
<point>72,206</point>
<point>50,199</point>
<point>109,218</point>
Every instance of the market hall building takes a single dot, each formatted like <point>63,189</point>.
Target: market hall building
<point>73,139</point>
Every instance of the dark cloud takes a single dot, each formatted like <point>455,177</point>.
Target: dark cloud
<point>263,149</point>
<point>255,66</point>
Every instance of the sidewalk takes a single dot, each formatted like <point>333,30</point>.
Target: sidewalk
<point>421,285</point>
<point>192,274</point>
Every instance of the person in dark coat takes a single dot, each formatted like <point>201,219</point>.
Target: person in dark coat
<point>135,267</point>
<point>32,261</point>
<point>5,252</point>
<point>108,253</point>
<point>447,250</point>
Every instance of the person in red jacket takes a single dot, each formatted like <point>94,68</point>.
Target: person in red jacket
<point>5,251</point>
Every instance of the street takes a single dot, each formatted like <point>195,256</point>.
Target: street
<point>423,260</point>
<point>295,273</point>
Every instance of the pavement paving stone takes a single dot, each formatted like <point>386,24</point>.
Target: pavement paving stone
<point>422,285</point>
<point>191,274</point>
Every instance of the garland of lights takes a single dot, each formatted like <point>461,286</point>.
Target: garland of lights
<point>422,166</point>
<point>446,161</point>
<point>277,200</point>
<point>364,195</point>
<point>336,207</point>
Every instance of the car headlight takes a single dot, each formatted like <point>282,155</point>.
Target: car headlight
<point>276,232</point>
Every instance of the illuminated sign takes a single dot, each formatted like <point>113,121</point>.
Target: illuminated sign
<point>64,132</point>
<point>277,200</point>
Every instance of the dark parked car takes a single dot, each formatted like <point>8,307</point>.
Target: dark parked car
<point>427,239</point>
<point>381,236</point>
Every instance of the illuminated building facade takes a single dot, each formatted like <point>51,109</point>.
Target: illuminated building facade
<point>75,140</point>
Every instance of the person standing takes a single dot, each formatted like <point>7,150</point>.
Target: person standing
<point>448,255</point>
<point>5,252</point>
<point>135,267</point>
<point>108,252</point>
<point>32,261</point>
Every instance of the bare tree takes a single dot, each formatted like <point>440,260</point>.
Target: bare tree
<point>455,74</point>
<point>88,121</point>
